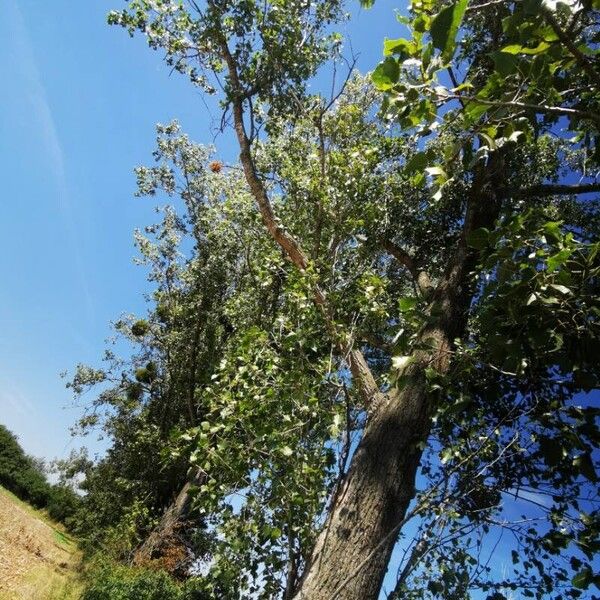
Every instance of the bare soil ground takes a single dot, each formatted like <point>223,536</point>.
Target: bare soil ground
<point>38,560</point>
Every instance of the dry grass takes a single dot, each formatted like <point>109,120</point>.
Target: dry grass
<point>38,560</point>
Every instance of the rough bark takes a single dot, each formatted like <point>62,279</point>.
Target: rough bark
<point>168,544</point>
<point>352,553</point>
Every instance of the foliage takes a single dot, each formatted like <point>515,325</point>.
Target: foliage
<point>112,582</point>
<point>23,476</point>
<point>18,472</point>
<point>109,580</point>
<point>420,242</point>
<point>524,76</point>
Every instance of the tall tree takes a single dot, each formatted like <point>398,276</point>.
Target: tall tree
<point>438,306</point>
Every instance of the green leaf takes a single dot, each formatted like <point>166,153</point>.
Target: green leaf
<point>447,454</point>
<point>551,450</point>
<point>506,64</point>
<point>489,142</point>
<point>417,162</point>
<point>563,289</point>
<point>552,230</point>
<point>445,27</point>
<point>436,171</point>
<point>479,238</point>
<point>518,49</point>
<point>400,362</point>
<point>558,259</point>
<point>385,76</point>
<point>400,46</point>
<point>407,303</point>
<point>367,3</point>
<point>474,110</point>
<point>583,579</point>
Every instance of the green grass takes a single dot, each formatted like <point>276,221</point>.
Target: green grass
<point>64,540</point>
<point>47,583</point>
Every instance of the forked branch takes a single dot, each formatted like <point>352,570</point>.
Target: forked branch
<point>420,277</point>
<point>361,372</point>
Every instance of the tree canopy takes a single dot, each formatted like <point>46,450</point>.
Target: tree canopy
<point>381,328</point>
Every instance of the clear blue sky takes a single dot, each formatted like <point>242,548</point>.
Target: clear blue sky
<point>78,106</point>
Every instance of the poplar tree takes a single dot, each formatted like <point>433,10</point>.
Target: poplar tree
<point>430,239</point>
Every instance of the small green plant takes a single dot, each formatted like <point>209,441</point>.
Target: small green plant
<point>115,582</point>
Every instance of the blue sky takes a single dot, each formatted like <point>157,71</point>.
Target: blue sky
<point>78,106</point>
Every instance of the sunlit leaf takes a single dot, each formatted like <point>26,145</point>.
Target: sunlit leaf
<point>444,28</point>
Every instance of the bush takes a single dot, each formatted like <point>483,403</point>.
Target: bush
<point>24,477</point>
<point>19,473</point>
<point>109,580</point>
<point>113,582</point>
<point>63,504</point>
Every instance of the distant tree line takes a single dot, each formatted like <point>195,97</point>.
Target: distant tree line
<point>24,476</point>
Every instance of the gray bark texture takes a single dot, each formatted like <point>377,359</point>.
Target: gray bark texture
<point>352,553</point>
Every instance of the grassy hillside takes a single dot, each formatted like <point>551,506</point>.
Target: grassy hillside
<point>38,559</point>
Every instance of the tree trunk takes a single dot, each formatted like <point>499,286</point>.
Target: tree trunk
<point>168,544</point>
<point>352,552</point>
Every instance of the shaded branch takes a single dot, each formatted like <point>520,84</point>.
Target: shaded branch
<point>420,277</point>
<point>376,341</point>
<point>549,189</point>
<point>542,108</point>
<point>359,368</point>
<point>581,59</point>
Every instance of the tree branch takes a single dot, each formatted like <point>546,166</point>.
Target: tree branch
<point>366,384</point>
<point>551,110</point>
<point>420,277</point>
<point>581,59</point>
<point>550,189</point>
<point>477,7</point>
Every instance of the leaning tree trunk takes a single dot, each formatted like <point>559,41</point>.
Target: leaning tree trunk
<point>352,552</point>
<point>168,543</point>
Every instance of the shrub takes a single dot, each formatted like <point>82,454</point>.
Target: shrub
<point>115,582</point>
<point>110,580</point>
<point>63,504</point>
<point>19,473</point>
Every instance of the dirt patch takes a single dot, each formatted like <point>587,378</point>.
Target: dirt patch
<point>37,558</point>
